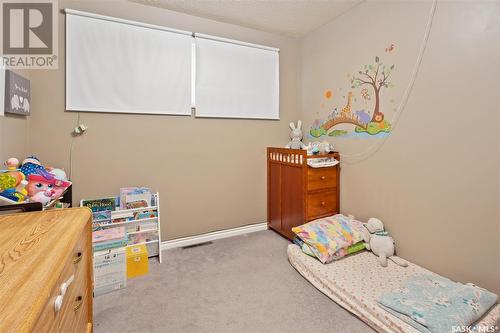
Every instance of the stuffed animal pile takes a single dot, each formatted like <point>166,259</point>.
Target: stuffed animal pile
<point>31,181</point>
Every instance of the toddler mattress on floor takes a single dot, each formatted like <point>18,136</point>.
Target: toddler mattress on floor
<point>357,282</point>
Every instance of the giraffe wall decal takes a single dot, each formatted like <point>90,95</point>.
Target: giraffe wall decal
<point>346,110</point>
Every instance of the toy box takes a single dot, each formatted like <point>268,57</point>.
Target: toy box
<point>137,261</point>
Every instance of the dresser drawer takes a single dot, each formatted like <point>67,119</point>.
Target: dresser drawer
<point>75,307</point>
<point>49,318</point>
<point>75,279</point>
<point>48,249</point>
<point>321,178</point>
<point>75,311</point>
<point>320,204</point>
<point>79,255</point>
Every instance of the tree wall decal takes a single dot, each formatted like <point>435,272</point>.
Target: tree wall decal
<point>377,76</point>
<point>367,123</point>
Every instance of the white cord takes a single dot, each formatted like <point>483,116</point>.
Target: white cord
<point>379,143</point>
<point>71,150</point>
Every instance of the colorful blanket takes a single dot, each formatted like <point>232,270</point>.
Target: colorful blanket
<point>339,254</point>
<point>329,238</point>
<point>432,303</point>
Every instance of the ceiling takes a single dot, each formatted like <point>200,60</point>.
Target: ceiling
<point>287,17</point>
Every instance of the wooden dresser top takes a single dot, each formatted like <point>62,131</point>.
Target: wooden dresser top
<point>34,248</point>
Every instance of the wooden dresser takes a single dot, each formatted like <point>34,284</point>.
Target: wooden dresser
<point>46,271</point>
<point>297,193</point>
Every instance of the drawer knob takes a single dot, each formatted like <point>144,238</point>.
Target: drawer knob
<point>323,177</point>
<point>77,258</point>
<point>78,303</point>
<point>323,203</point>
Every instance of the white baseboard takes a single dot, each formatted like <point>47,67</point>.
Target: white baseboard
<point>203,238</point>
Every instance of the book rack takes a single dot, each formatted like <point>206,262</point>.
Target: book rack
<point>142,225</point>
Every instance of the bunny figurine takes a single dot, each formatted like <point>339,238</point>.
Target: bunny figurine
<point>296,136</point>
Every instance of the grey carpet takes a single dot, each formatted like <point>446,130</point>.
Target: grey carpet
<point>238,284</point>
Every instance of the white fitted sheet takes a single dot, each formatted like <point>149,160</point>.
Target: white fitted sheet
<point>356,283</point>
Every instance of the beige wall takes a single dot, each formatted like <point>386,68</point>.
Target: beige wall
<point>13,137</point>
<point>211,173</point>
<point>435,182</point>
<point>14,133</point>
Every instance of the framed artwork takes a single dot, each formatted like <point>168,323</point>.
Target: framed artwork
<point>17,94</point>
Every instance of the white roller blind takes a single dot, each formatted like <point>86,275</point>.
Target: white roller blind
<point>236,80</point>
<point>114,65</point>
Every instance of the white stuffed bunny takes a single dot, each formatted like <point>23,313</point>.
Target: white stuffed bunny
<point>296,136</point>
<point>380,243</point>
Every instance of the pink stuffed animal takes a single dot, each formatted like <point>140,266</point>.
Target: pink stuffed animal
<point>43,186</point>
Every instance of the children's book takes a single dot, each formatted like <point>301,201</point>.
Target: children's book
<point>109,234</point>
<point>142,237</point>
<point>99,205</point>
<point>109,238</point>
<point>135,197</point>
<point>109,245</point>
<point>122,216</point>
<point>102,217</point>
<point>145,215</point>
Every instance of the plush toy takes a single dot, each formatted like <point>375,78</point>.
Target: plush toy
<point>31,165</point>
<point>17,194</point>
<point>324,147</point>
<point>313,148</point>
<point>296,136</point>
<point>11,164</point>
<point>44,197</point>
<point>378,241</point>
<point>58,173</point>
<point>32,180</point>
<point>13,182</point>
<point>43,186</point>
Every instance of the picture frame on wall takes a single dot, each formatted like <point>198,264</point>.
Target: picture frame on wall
<point>17,94</point>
